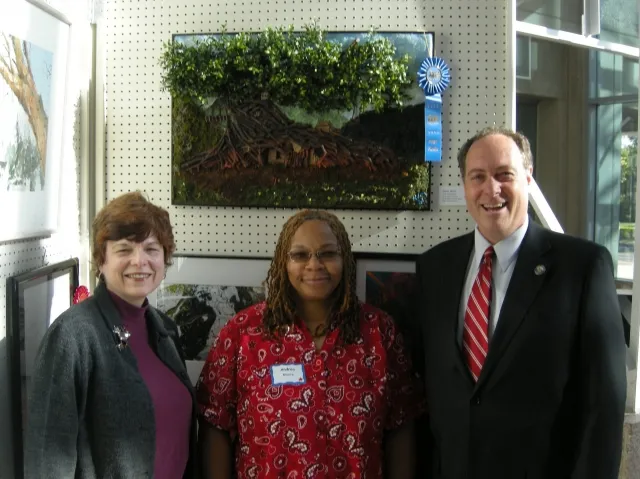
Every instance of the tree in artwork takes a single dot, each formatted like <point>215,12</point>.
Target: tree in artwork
<point>17,72</point>
<point>23,162</point>
<point>287,118</point>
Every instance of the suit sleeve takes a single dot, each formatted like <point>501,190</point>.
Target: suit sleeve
<point>56,395</point>
<point>410,321</point>
<point>603,374</point>
<point>424,439</point>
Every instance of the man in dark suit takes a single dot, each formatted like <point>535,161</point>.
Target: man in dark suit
<point>522,337</point>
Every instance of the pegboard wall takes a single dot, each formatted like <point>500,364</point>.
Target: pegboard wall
<point>470,34</point>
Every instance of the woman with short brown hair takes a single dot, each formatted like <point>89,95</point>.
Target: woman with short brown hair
<point>110,395</point>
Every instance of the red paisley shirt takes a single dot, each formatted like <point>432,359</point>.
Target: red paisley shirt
<point>329,427</point>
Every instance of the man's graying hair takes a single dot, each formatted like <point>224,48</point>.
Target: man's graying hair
<point>518,138</point>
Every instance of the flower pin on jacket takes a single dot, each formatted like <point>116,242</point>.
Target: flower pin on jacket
<point>122,336</point>
<point>81,293</point>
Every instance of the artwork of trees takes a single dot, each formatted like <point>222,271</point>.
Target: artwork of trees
<point>25,70</point>
<point>23,162</point>
<point>290,118</point>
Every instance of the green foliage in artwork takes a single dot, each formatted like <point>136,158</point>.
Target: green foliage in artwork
<point>191,130</point>
<point>302,69</point>
<point>23,161</point>
<point>186,192</point>
<point>404,190</point>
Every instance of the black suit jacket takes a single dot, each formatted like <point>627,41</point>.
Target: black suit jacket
<point>550,400</point>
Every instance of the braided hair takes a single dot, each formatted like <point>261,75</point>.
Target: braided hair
<point>281,296</point>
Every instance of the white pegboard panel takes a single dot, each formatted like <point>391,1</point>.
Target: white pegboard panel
<point>470,34</point>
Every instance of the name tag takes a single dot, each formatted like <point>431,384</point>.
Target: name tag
<point>292,374</point>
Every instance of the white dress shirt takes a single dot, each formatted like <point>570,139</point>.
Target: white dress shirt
<point>504,261</point>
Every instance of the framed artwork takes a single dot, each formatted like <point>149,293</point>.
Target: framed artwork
<point>201,294</point>
<point>34,42</point>
<point>287,138</point>
<point>34,300</point>
<point>385,281</point>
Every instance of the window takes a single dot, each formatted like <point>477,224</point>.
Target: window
<point>619,21</point>
<point>614,146</point>
<point>556,14</point>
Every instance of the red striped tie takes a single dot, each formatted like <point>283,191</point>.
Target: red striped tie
<point>475,339</point>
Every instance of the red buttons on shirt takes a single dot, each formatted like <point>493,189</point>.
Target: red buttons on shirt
<point>329,425</point>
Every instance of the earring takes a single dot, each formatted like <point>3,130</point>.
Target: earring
<point>101,277</point>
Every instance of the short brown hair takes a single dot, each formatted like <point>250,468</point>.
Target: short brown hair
<point>133,217</point>
<point>518,138</point>
<point>281,300</point>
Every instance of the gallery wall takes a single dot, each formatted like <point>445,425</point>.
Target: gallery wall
<point>470,34</point>
<point>20,256</point>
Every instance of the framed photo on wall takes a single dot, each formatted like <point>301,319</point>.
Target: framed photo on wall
<point>34,300</point>
<point>34,43</point>
<point>201,294</point>
<point>385,280</point>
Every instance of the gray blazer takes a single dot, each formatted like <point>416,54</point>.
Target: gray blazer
<point>90,413</point>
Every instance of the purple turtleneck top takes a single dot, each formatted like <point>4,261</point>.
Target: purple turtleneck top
<point>171,399</point>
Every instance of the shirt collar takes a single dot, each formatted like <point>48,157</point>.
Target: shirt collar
<point>506,250</point>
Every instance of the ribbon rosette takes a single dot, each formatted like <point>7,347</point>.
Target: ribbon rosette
<point>434,76</point>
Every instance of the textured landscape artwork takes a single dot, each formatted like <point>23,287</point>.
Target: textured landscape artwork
<point>200,312</point>
<point>362,147</point>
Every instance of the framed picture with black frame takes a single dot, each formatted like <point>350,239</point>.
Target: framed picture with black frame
<point>34,300</point>
<point>386,281</point>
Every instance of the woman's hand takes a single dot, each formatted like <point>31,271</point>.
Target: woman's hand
<point>217,452</point>
<point>400,452</point>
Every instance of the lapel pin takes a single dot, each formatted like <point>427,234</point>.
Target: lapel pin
<point>540,269</point>
<point>122,336</point>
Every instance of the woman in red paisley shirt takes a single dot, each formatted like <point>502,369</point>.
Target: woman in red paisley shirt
<point>308,383</point>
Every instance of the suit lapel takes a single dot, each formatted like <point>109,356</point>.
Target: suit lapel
<point>529,274</point>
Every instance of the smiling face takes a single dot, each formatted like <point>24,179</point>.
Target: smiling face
<point>133,270</point>
<point>312,279</point>
<point>496,186</point>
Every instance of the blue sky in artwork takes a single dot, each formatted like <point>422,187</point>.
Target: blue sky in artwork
<point>42,68</point>
<point>417,45</point>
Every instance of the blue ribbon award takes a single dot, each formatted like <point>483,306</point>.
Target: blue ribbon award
<point>434,77</point>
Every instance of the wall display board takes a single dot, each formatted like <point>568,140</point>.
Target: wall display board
<point>470,34</point>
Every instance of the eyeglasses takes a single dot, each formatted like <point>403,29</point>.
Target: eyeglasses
<point>326,256</point>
